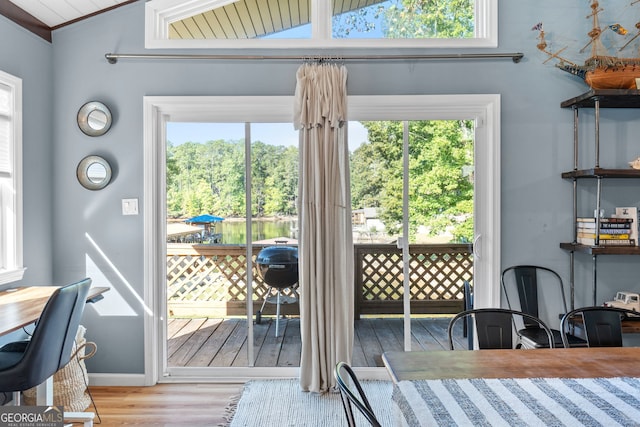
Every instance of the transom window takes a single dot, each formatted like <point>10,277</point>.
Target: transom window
<point>321,23</point>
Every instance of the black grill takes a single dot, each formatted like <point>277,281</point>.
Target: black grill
<point>278,266</point>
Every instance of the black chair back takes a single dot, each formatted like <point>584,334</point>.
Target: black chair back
<point>602,325</point>
<point>50,346</point>
<point>348,397</point>
<point>495,327</point>
<point>528,282</point>
<point>527,287</point>
<point>468,305</point>
<point>539,292</point>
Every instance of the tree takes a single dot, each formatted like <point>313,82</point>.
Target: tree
<point>210,178</point>
<point>367,177</point>
<point>440,196</point>
<point>281,191</point>
<point>430,19</point>
<point>410,19</point>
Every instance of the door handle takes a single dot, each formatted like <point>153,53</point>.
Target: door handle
<point>477,246</point>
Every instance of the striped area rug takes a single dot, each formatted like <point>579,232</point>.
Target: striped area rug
<point>281,403</point>
<point>520,402</point>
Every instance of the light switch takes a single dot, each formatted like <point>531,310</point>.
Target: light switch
<point>129,206</point>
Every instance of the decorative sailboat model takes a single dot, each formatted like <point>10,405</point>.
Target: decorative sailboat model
<point>601,69</point>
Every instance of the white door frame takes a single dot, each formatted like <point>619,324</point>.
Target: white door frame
<point>483,109</point>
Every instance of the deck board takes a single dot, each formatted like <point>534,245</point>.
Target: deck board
<point>369,341</point>
<point>195,343</point>
<point>357,357</point>
<point>291,346</point>
<point>426,332</point>
<point>181,341</point>
<point>223,342</point>
<point>215,334</point>
<point>233,351</point>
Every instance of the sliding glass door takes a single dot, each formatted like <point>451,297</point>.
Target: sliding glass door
<point>223,196</point>
<point>231,193</point>
<point>412,198</point>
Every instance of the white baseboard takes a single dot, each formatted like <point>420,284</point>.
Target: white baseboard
<point>138,380</point>
<point>117,379</point>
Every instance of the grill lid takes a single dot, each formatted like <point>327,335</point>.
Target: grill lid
<point>278,255</point>
<point>278,266</point>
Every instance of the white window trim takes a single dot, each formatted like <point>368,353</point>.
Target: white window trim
<point>160,13</point>
<point>158,110</point>
<point>11,246</point>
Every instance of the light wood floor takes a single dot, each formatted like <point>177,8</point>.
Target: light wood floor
<point>199,405</point>
<point>168,405</point>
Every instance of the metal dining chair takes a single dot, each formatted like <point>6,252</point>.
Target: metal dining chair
<point>345,375</point>
<point>27,364</point>
<point>468,305</point>
<point>602,326</point>
<point>539,292</point>
<point>495,327</point>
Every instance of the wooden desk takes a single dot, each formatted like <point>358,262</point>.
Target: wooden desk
<point>545,363</point>
<point>20,307</point>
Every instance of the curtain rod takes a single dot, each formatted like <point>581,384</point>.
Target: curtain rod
<point>113,58</point>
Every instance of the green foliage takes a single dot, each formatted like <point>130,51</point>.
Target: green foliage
<point>367,177</point>
<point>410,19</point>
<point>209,178</point>
<point>440,196</point>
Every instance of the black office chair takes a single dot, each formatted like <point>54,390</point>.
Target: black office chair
<point>496,327</point>
<point>26,364</point>
<point>536,290</point>
<point>602,326</point>
<point>348,397</point>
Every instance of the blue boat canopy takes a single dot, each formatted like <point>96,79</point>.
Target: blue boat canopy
<point>204,219</point>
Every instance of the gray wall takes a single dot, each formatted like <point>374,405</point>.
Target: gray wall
<point>28,57</point>
<point>81,232</point>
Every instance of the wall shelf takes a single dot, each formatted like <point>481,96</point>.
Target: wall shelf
<point>596,99</point>
<point>602,173</point>
<point>601,250</point>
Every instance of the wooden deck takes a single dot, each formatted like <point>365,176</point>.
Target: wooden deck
<point>223,342</point>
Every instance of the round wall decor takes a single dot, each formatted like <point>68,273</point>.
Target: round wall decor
<point>94,172</point>
<point>94,118</point>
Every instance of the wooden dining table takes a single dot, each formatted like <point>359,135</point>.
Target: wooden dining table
<point>462,387</point>
<point>22,306</point>
<point>558,362</point>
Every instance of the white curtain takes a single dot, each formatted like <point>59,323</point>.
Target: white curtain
<point>324,213</point>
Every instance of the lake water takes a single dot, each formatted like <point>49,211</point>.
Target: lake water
<point>234,232</point>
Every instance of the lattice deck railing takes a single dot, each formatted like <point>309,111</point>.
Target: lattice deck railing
<point>210,280</point>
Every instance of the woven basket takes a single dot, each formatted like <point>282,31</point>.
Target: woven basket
<point>70,383</point>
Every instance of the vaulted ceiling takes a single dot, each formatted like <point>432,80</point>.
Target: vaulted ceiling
<point>43,16</point>
<point>242,19</point>
<point>234,20</point>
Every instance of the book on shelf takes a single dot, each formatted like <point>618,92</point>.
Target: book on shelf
<point>606,220</point>
<point>605,242</point>
<point>616,231</point>
<point>606,236</point>
<point>630,213</point>
<point>605,225</point>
